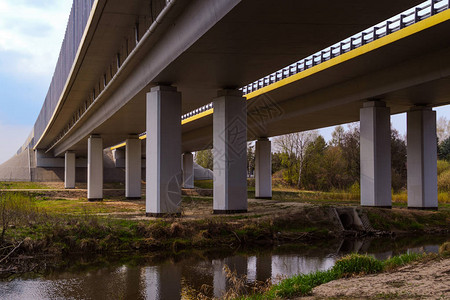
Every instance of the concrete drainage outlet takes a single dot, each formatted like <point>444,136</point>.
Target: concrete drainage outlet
<point>349,219</point>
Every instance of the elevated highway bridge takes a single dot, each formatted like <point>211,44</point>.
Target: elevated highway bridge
<point>154,66</point>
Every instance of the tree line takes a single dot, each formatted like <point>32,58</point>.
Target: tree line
<point>305,160</point>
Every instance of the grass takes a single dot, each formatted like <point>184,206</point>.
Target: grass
<point>350,265</point>
<point>22,185</point>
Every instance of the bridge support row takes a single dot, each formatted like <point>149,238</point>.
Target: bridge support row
<point>375,149</point>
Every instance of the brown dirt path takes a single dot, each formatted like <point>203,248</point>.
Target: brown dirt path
<point>428,280</point>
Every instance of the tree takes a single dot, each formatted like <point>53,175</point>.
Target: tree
<point>351,152</point>
<point>337,136</point>
<point>250,158</point>
<point>292,147</point>
<point>442,128</point>
<point>276,162</point>
<point>444,149</point>
<point>205,158</point>
<point>398,161</point>
<point>312,175</point>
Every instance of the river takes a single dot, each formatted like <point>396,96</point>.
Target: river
<point>173,276</point>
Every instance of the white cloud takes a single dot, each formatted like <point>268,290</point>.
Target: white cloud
<point>31,34</point>
<point>12,137</point>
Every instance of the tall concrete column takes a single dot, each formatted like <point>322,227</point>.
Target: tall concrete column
<point>163,163</point>
<point>69,170</point>
<point>230,152</point>
<point>133,168</point>
<point>422,158</point>
<point>375,148</point>
<point>263,169</point>
<point>95,168</point>
<point>188,170</point>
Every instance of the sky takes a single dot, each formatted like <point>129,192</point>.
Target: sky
<point>31,34</point>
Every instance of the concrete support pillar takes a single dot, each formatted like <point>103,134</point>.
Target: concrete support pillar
<point>230,152</point>
<point>133,168</point>
<point>422,158</point>
<point>375,148</point>
<point>69,170</point>
<point>188,170</point>
<point>163,163</point>
<point>95,168</point>
<point>263,169</point>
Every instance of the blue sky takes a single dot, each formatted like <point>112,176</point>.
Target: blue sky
<point>31,34</point>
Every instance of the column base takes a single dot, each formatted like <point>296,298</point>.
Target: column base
<point>134,198</point>
<point>423,208</point>
<point>69,188</point>
<point>373,206</point>
<point>265,198</point>
<point>229,211</point>
<point>95,199</point>
<point>163,215</point>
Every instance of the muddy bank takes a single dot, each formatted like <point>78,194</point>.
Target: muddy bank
<point>423,280</point>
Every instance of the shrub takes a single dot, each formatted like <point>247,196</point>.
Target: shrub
<point>444,181</point>
<point>444,249</point>
<point>357,264</point>
<point>442,166</point>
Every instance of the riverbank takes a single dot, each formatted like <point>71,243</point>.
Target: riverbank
<point>418,280</point>
<point>356,276</point>
<point>61,223</point>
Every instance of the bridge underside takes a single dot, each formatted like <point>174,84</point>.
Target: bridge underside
<point>200,53</point>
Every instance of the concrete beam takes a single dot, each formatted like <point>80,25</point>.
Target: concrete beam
<point>95,168</point>
<point>230,152</point>
<point>422,158</point>
<point>69,170</point>
<point>133,168</point>
<point>263,169</point>
<point>375,148</point>
<point>188,170</point>
<point>163,164</point>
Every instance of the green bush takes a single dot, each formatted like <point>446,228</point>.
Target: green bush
<point>357,264</point>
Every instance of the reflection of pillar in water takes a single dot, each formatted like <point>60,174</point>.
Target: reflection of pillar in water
<point>162,282</point>
<point>234,263</point>
<point>220,280</point>
<point>238,264</point>
<point>133,283</point>
<point>366,245</point>
<point>264,267</point>
<point>357,245</point>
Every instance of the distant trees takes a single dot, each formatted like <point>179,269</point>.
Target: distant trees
<point>292,149</point>
<point>205,158</point>
<point>309,162</point>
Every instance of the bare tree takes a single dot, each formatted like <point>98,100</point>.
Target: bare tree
<point>442,128</point>
<point>295,144</point>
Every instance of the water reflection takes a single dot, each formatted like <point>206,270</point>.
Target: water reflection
<point>167,279</point>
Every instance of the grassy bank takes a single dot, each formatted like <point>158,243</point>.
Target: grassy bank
<point>348,266</point>
<point>77,226</point>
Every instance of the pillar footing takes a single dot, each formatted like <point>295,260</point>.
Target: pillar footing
<point>265,198</point>
<point>423,208</point>
<point>373,206</point>
<point>95,199</point>
<point>229,211</point>
<point>163,215</point>
<point>134,198</point>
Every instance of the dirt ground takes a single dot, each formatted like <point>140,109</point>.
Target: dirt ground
<point>429,280</point>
